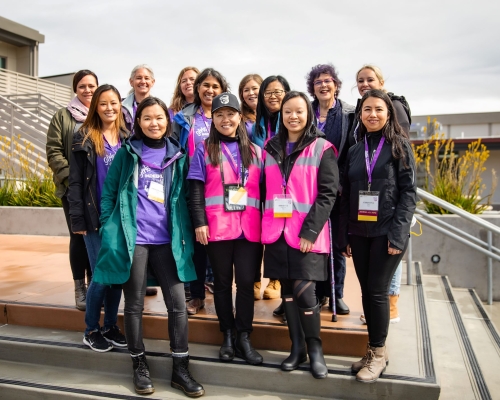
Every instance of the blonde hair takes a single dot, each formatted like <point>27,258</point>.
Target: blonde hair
<point>376,70</point>
<point>178,99</point>
<point>137,68</point>
<point>248,113</point>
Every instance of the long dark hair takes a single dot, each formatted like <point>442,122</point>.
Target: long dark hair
<point>204,75</point>
<point>148,102</point>
<point>262,111</point>
<point>92,127</point>
<point>244,145</point>
<point>392,131</point>
<point>310,129</point>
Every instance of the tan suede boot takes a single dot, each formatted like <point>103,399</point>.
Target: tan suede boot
<point>356,366</point>
<point>272,291</point>
<point>393,301</point>
<point>374,367</point>
<point>256,290</point>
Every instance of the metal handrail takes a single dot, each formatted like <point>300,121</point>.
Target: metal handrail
<point>458,235</point>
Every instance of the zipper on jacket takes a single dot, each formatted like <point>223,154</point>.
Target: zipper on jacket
<point>178,211</point>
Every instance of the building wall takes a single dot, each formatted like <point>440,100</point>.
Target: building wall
<point>23,60</point>
<point>9,51</point>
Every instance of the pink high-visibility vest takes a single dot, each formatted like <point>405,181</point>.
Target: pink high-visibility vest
<point>302,186</point>
<point>225,225</point>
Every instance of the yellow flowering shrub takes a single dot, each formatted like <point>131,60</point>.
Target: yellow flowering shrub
<point>452,177</point>
<point>25,183</point>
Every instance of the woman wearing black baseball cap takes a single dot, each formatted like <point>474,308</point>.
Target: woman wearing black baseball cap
<point>225,176</point>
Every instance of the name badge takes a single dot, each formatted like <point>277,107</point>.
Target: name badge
<point>235,198</point>
<point>156,192</point>
<point>238,197</point>
<point>368,206</point>
<point>283,206</point>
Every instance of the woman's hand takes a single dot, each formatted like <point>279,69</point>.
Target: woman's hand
<point>347,253</point>
<point>202,234</point>
<point>84,233</point>
<point>392,251</point>
<point>305,245</point>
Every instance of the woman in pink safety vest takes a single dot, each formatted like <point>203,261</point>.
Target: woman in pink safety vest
<point>225,177</point>
<point>301,179</point>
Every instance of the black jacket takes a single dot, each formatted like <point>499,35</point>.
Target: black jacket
<point>397,198</point>
<point>82,189</point>
<point>328,180</point>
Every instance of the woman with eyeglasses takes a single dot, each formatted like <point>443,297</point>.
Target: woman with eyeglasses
<point>334,118</point>
<point>191,126</point>
<point>267,116</point>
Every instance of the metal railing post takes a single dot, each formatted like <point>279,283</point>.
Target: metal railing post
<point>490,270</point>
<point>409,262</point>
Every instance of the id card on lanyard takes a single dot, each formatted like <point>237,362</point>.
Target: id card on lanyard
<point>235,196</point>
<point>282,203</point>
<point>369,200</point>
<point>156,192</point>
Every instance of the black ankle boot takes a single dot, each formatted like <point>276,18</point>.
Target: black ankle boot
<point>243,349</point>
<point>142,381</point>
<point>182,379</point>
<point>298,354</point>
<point>226,352</point>
<point>310,320</point>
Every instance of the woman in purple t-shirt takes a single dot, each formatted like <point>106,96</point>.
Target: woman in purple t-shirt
<point>94,147</point>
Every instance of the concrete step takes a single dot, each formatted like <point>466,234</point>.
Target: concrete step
<point>465,354</point>
<point>56,363</point>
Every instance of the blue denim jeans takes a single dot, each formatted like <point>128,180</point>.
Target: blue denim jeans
<point>97,293</point>
<point>396,280</point>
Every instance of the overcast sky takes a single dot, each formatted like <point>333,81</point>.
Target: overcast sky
<point>443,56</point>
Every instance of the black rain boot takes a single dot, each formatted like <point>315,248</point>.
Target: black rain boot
<point>298,354</point>
<point>226,352</point>
<point>182,379</point>
<point>310,319</point>
<point>142,381</point>
<point>243,349</point>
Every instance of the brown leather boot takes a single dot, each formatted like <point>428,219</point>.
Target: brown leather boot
<point>194,305</point>
<point>256,290</point>
<point>374,367</point>
<point>272,291</point>
<point>356,366</point>
<point>393,301</point>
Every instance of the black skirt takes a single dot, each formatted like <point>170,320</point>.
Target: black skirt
<point>282,261</point>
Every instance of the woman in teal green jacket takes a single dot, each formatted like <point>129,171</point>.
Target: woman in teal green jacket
<point>145,220</point>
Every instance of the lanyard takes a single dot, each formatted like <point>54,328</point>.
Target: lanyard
<point>235,165</point>
<point>239,164</point>
<point>134,108</point>
<point>161,168</point>
<point>205,119</point>
<point>371,165</point>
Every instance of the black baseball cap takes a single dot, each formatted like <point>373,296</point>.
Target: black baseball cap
<point>225,100</point>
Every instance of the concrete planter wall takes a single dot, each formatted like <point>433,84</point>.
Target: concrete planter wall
<point>48,221</point>
<point>464,266</point>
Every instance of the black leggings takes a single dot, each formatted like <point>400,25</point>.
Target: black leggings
<point>303,291</point>
<point>375,268</point>
<point>197,286</point>
<point>162,262</point>
<point>246,258</point>
<point>78,257</point>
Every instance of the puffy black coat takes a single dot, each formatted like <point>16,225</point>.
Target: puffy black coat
<point>397,197</point>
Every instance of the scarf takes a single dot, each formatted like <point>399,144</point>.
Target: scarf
<point>78,111</point>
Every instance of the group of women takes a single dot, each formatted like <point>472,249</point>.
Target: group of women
<point>155,190</point>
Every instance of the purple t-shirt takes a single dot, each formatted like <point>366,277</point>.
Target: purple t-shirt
<point>201,130</point>
<point>102,167</point>
<point>289,147</point>
<point>249,125</point>
<point>152,218</point>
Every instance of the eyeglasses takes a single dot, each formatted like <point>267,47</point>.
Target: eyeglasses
<point>320,82</point>
<point>277,93</point>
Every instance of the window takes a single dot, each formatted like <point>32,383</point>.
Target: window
<point>3,62</point>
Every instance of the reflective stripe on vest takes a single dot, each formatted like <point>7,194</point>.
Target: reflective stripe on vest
<point>224,225</point>
<point>302,185</point>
